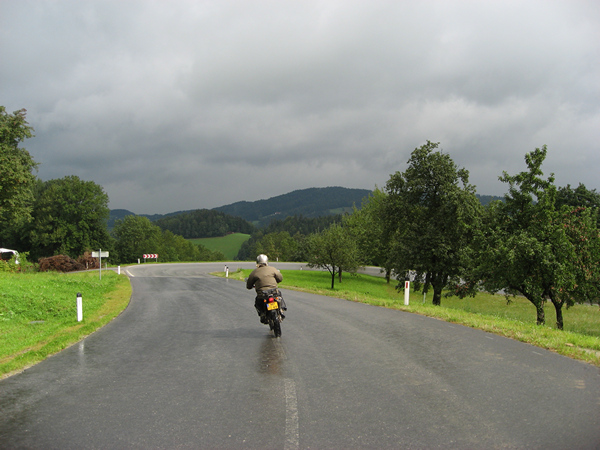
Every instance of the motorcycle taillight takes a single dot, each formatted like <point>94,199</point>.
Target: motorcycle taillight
<point>271,299</point>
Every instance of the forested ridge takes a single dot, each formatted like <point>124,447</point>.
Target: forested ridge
<point>322,206</point>
<point>203,223</point>
<point>244,216</point>
<point>311,202</point>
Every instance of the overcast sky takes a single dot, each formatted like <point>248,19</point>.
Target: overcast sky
<point>177,105</point>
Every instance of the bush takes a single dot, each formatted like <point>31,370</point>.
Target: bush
<point>9,266</point>
<point>60,263</point>
<point>13,266</point>
<point>88,262</point>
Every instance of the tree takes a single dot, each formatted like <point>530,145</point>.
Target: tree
<point>527,245</point>
<point>69,218</point>
<point>432,210</point>
<point>581,228</point>
<point>16,177</point>
<point>371,232</point>
<point>580,196</point>
<point>277,245</point>
<point>135,236</point>
<point>333,249</point>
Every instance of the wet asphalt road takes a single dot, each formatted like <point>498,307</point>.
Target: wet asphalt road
<point>188,365</point>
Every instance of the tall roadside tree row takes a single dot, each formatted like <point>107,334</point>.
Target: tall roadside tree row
<point>333,249</point>
<point>527,245</point>
<point>16,174</point>
<point>431,213</point>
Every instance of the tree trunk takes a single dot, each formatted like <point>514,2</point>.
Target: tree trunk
<point>541,316</point>
<point>333,277</point>
<point>536,301</point>
<point>437,296</point>
<point>559,317</point>
<point>437,282</point>
<point>340,275</point>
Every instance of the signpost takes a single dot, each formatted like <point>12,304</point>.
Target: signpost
<point>100,254</point>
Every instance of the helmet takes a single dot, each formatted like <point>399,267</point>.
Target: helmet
<point>262,259</point>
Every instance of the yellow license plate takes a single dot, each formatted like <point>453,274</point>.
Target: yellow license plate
<point>272,305</point>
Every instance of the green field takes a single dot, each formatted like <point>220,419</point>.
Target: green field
<point>228,245</point>
<point>38,312</point>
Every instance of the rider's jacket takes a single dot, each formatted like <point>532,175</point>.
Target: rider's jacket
<point>264,278</point>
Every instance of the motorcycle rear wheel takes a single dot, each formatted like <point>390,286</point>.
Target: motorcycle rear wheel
<point>277,327</point>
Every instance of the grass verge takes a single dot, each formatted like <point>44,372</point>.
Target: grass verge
<point>579,340</point>
<point>38,312</point>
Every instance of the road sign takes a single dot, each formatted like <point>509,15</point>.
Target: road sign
<point>100,254</point>
<point>151,256</point>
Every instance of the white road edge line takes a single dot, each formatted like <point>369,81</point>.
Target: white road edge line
<point>292,433</point>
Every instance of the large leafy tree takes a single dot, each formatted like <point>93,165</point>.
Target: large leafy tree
<point>527,245</point>
<point>279,246</point>
<point>136,236</point>
<point>333,249</point>
<point>70,217</point>
<point>579,197</point>
<point>433,210</point>
<point>16,175</point>
<point>581,228</point>
<point>371,232</point>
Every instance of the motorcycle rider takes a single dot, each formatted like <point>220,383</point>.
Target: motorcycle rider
<point>263,279</point>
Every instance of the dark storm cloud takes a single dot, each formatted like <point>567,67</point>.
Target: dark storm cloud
<point>190,104</point>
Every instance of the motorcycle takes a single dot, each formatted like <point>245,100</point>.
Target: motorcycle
<point>274,305</point>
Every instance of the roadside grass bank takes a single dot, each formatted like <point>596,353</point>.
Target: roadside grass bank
<point>38,312</point>
<point>579,340</point>
<point>228,245</point>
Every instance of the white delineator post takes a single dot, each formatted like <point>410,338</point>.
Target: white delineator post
<point>406,292</point>
<point>79,308</point>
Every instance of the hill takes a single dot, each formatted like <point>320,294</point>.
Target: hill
<point>308,203</point>
<point>311,202</point>
<point>118,214</point>
<point>204,223</point>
